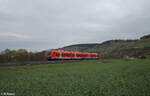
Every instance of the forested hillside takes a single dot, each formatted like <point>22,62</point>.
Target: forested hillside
<point>116,47</point>
<point>108,49</point>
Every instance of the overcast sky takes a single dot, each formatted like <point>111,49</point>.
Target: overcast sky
<point>44,24</point>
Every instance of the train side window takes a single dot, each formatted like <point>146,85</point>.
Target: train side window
<point>57,54</point>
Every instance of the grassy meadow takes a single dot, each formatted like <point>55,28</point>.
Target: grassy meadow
<point>93,78</point>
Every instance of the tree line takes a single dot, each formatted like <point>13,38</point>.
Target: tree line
<point>20,55</point>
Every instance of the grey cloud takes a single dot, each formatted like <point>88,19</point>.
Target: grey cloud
<point>43,24</point>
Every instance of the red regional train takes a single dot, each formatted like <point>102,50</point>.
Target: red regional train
<point>57,55</point>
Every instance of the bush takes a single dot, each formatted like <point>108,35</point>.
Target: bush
<point>111,56</point>
<point>20,55</point>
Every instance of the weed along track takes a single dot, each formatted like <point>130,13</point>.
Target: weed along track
<point>41,62</point>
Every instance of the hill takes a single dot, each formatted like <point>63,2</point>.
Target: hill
<point>120,47</point>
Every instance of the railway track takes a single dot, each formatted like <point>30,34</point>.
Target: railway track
<point>40,63</point>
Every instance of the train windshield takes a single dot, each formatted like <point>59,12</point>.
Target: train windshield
<point>48,53</point>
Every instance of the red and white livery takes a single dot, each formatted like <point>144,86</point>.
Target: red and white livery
<point>56,55</point>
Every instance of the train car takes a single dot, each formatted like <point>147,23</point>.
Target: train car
<point>57,55</point>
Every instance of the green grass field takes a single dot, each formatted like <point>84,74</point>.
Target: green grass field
<point>94,78</point>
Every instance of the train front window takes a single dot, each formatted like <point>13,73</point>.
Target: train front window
<point>48,52</point>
